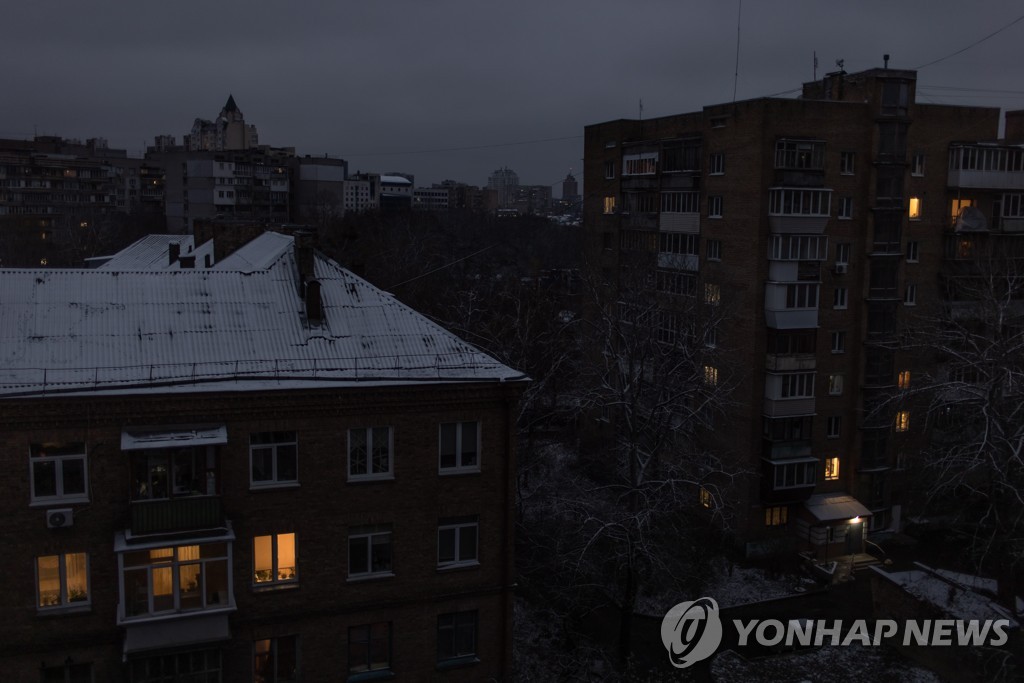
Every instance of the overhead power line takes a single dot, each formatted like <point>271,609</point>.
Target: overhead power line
<point>974,44</point>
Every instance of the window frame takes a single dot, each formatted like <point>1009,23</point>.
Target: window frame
<point>459,467</point>
<point>64,602</point>
<point>847,163</point>
<point>274,675</point>
<point>902,422</point>
<point>714,249</point>
<point>275,568</point>
<point>369,532</point>
<point>917,165</point>
<point>910,294</point>
<point>275,481</point>
<point>840,298</point>
<point>455,526</point>
<point>715,206</point>
<point>716,163</point>
<point>838,341</point>
<point>913,251</point>
<point>832,468</point>
<point>371,475</point>
<point>776,515</point>
<point>368,668</point>
<point>60,496</point>
<point>467,620</point>
<point>175,564</point>
<point>833,426</point>
<point>845,211</point>
<point>835,384</point>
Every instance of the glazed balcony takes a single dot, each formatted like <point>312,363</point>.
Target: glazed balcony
<point>189,513</point>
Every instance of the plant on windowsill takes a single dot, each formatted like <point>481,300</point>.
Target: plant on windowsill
<point>77,595</point>
<point>264,575</point>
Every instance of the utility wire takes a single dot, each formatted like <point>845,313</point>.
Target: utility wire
<point>974,44</point>
<point>464,149</point>
<point>440,268</point>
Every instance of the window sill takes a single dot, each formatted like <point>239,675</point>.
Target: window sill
<point>454,566</point>
<point>255,488</point>
<point>63,610</point>
<point>358,479</point>
<point>381,675</point>
<point>455,471</point>
<point>274,587</point>
<point>458,662</point>
<point>358,578</point>
<point>57,502</point>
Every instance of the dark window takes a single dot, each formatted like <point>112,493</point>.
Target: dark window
<point>456,636</point>
<point>369,647</point>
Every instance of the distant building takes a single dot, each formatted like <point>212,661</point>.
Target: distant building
<point>532,199</point>
<point>395,192</point>
<point>505,182</point>
<point>362,192</point>
<point>228,132</point>
<point>431,199</point>
<point>261,470</point>
<point>318,187</point>
<point>570,190</point>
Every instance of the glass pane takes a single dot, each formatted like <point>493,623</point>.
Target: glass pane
<point>358,559</point>
<point>287,659</point>
<point>186,479</point>
<point>136,592</point>
<point>263,666</point>
<point>44,478</point>
<point>380,647</point>
<point>381,553</point>
<point>469,444</point>
<point>157,478</point>
<point>73,473</point>
<point>286,556</point>
<point>358,655</point>
<point>262,467</point>
<point>216,579</point>
<point>49,580</point>
<point>446,545</point>
<point>448,445</point>
<point>263,559</point>
<point>163,589</point>
<point>357,451</point>
<point>287,458</point>
<point>75,569</point>
<point>381,450</point>
<point>190,585</point>
<point>467,543</point>
<point>465,635</point>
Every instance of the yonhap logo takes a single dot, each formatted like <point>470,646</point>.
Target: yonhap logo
<point>691,632</point>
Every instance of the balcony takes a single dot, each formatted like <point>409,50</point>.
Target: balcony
<point>678,261</point>
<point>188,513</point>
<point>679,222</point>
<point>775,362</point>
<point>788,407</point>
<point>798,210</point>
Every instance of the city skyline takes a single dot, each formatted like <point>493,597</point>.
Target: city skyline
<point>458,91</point>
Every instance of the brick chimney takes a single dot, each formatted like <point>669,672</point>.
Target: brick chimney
<point>173,251</point>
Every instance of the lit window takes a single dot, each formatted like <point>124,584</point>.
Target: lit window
<point>710,375</point>
<point>175,579</point>
<point>715,206</point>
<point>902,421</point>
<point>904,379</point>
<point>835,385</point>
<point>58,473</point>
<point>369,453</point>
<point>459,445</point>
<point>274,559</point>
<point>833,426</point>
<point>369,551</point>
<point>369,647</point>
<point>705,498</point>
<point>456,637</point>
<point>276,660</point>
<point>712,294</point>
<point>776,516</point>
<point>62,580</point>
<point>915,208</point>
<point>609,204</point>
<point>457,542</point>
<point>273,458</point>
<point>832,468</point>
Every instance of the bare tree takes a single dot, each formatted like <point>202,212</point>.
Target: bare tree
<point>973,460</point>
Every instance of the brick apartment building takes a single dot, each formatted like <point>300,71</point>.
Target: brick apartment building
<point>259,469</point>
<point>820,225</point>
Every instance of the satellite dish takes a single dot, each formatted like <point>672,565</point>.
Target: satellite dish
<point>971,219</point>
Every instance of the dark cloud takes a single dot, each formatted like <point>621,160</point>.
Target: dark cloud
<point>376,82</point>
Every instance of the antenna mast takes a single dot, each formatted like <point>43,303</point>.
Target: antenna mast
<point>736,75</point>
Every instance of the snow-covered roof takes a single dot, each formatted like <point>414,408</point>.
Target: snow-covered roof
<point>151,253</point>
<point>145,330</point>
<point>395,180</point>
<point>955,598</point>
<point>828,507</point>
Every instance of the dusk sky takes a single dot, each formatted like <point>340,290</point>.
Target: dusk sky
<point>443,89</point>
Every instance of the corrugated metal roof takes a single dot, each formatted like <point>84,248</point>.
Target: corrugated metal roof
<point>81,330</point>
<point>151,253</point>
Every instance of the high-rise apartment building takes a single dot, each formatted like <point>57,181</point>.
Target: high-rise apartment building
<point>505,182</point>
<point>820,225</point>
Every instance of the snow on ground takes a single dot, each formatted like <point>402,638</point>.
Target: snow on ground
<point>854,664</point>
<point>955,601</point>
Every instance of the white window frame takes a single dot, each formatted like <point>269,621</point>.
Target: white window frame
<point>803,475</point>
<point>370,533</point>
<point>455,528</point>
<point>65,602</point>
<point>275,569</point>
<point>847,163</point>
<point>175,564</point>
<point>840,297</point>
<point>714,249</point>
<point>910,295</point>
<point>833,426</point>
<point>838,341</point>
<point>59,460</point>
<point>835,384</point>
<point>917,165</point>
<point>460,466</point>
<point>845,208</point>
<point>275,481</point>
<point>716,163</point>
<point>370,475</point>
<point>913,251</point>
<point>832,468</point>
<point>645,163</point>
<point>715,206</point>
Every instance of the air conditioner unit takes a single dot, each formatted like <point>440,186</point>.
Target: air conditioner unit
<point>55,519</point>
<point>840,269</point>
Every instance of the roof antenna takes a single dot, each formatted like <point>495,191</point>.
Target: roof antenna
<point>885,58</point>
<point>736,75</point>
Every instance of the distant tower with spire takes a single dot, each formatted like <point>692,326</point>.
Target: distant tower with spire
<point>570,190</point>
<point>228,132</point>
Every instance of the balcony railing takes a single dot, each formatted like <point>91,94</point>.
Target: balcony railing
<point>176,514</point>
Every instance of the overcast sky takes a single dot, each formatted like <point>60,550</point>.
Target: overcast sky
<point>441,88</point>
